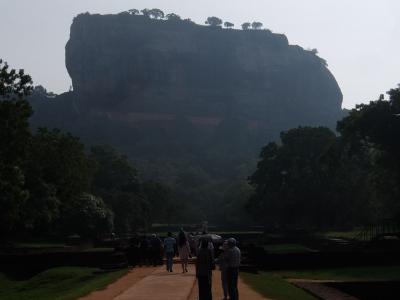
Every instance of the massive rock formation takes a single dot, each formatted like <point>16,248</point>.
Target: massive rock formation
<point>191,105</point>
<point>160,69</point>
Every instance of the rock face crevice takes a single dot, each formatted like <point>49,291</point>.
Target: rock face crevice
<point>134,64</point>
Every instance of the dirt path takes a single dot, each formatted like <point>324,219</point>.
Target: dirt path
<point>162,285</point>
<point>151,283</point>
<point>245,292</point>
<point>118,287</point>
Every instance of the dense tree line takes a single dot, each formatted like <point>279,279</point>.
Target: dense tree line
<point>49,183</point>
<point>315,179</point>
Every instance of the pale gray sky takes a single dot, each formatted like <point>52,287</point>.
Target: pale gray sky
<point>360,39</point>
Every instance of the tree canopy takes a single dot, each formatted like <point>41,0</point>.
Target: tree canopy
<point>256,25</point>
<point>317,180</point>
<point>133,11</point>
<point>173,17</point>
<point>246,26</point>
<point>229,25</point>
<point>49,184</point>
<point>156,13</point>
<point>214,21</point>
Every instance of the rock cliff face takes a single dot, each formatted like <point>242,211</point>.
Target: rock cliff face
<point>141,68</point>
<point>190,105</point>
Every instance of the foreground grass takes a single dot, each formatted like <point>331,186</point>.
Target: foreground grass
<point>355,273</point>
<point>66,283</point>
<point>273,286</point>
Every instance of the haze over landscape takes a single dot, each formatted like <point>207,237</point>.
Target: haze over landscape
<point>355,37</point>
<point>176,141</point>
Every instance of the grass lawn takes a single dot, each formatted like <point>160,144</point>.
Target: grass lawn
<point>273,286</point>
<point>354,273</point>
<point>38,245</point>
<point>350,234</point>
<point>65,283</point>
<point>286,248</point>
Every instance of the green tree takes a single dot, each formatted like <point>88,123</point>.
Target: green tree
<point>372,130</point>
<point>156,13</point>
<point>256,25</point>
<point>15,137</point>
<point>290,180</point>
<point>146,12</point>
<point>246,26</point>
<point>116,181</point>
<point>214,21</point>
<point>57,173</point>
<point>163,207</point>
<point>229,25</point>
<point>61,160</point>
<point>87,216</point>
<point>133,11</point>
<point>113,171</point>
<point>173,17</point>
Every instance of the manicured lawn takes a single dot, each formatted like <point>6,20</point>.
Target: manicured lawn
<point>351,234</point>
<point>273,286</point>
<point>66,283</point>
<point>38,245</point>
<point>286,248</point>
<point>354,273</point>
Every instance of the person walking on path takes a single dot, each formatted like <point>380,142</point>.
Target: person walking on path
<point>156,250</point>
<point>204,266</point>
<point>222,267</point>
<point>169,249</point>
<point>232,258</point>
<point>183,250</point>
<point>144,247</point>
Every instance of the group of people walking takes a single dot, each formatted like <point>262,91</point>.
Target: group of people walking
<point>228,262</point>
<point>149,251</point>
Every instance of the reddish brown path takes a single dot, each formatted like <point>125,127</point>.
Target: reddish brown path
<point>150,283</point>
<point>162,285</point>
<point>245,292</point>
<point>121,285</point>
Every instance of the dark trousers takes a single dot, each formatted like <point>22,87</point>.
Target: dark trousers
<point>155,257</point>
<point>204,287</point>
<point>224,281</point>
<point>169,256</point>
<point>232,275</point>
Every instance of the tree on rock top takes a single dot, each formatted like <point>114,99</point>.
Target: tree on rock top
<point>173,17</point>
<point>214,21</point>
<point>156,13</point>
<point>133,11</point>
<point>229,25</point>
<point>246,26</point>
<point>145,12</point>
<point>256,25</point>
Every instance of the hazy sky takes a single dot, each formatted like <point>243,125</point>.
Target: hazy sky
<point>360,39</point>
